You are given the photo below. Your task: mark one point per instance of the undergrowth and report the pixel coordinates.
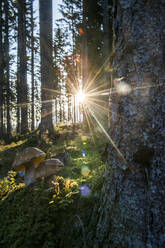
(46, 215)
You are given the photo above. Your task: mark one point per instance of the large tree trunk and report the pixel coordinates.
(7, 67)
(32, 65)
(46, 63)
(22, 64)
(132, 211)
(1, 73)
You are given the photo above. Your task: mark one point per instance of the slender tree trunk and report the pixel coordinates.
(22, 64)
(74, 109)
(63, 110)
(60, 112)
(18, 108)
(106, 55)
(1, 73)
(69, 108)
(56, 110)
(84, 48)
(106, 38)
(32, 64)
(46, 63)
(132, 207)
(84, 55)
(6, 10)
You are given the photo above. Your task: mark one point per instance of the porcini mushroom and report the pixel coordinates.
(48, 168)
(28, 160)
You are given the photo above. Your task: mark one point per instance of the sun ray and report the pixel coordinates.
(99, 92)
(56, 91)
(88, 122)
(92, 99)
(148, 86)
(94, 104)
(115, 90)
(97, 73)
(108, 110)
(46, 114)
(72, 86)
(109, 138)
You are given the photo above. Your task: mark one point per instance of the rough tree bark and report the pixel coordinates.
(1, 72)
(132, 210)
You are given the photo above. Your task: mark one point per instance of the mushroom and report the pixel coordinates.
(28, 160)
(48, 168)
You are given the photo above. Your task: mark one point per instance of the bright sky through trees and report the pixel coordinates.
(56, 13)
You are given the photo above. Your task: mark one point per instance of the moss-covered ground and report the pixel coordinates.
(55, 215)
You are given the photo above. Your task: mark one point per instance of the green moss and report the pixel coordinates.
(44, 215)
(32, 215)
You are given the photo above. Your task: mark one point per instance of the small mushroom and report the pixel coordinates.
(28, 160)
(48, 168)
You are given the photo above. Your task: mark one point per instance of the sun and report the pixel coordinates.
(81, 97)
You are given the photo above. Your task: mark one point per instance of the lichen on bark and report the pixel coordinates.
(132, 210)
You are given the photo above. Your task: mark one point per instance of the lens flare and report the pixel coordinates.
(123, 89)
(84, 190)
(83, 154)
(85, 171)
(81, 31)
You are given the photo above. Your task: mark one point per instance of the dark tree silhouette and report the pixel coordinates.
(46, 63)
(22, 68)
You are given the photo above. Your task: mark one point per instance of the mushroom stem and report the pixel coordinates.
(30, 173)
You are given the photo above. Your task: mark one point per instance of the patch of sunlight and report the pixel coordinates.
(13, 144)
(85, 171)
(79, 160)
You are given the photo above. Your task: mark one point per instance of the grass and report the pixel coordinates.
(44, 215)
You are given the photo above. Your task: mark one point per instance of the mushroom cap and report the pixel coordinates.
(26, 156)
(49, 167)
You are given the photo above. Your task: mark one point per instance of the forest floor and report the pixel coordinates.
(40, 215)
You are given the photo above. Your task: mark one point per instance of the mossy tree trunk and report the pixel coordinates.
(132, 207)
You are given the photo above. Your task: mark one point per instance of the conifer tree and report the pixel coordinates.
(46, 63)
(22, 68)
(1, 71)
(32, 66)
(7, 69)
